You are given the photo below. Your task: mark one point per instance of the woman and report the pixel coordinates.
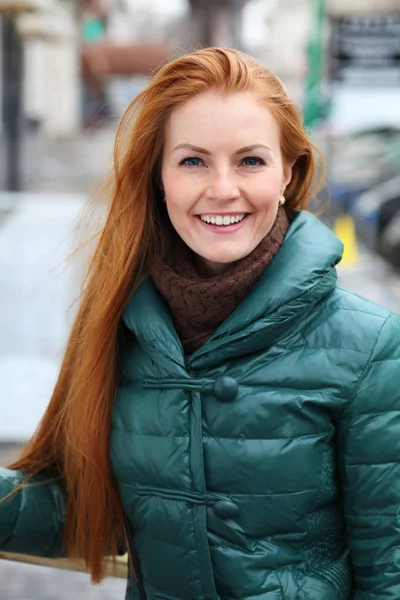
(224, 410)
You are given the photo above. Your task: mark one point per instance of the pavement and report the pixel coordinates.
(30, 582)
(65, 171)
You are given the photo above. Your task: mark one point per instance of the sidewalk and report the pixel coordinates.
(69, 165)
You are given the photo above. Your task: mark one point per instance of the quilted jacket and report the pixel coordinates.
(266, 466)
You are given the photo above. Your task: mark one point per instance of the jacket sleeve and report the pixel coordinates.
(369, 468)
(31, 520)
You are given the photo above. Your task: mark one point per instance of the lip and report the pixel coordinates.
(224, 228)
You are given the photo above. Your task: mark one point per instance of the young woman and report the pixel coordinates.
(224, 411)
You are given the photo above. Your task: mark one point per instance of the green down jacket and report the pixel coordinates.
(267, 465)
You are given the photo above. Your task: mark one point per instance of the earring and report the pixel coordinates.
(282, 200)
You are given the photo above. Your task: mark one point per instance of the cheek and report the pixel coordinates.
(178, 203)
(173, 182)
(265, 193)
(167, 181)
(181, 194)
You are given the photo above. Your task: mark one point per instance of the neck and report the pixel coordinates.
(208, 268)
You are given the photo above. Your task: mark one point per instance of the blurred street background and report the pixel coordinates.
(69, 69)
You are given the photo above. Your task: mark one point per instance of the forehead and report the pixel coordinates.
(239, 118)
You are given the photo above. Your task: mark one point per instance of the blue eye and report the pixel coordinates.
(191, 161)
(253, 161)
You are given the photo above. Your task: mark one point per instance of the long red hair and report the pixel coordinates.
(71, 442)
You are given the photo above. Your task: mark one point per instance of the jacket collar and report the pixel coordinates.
(302, 272)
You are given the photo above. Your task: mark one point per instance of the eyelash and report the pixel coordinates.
(183, 161)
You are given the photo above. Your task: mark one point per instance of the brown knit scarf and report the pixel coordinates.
(199, 305)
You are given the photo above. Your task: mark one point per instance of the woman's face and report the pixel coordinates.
(222, 175)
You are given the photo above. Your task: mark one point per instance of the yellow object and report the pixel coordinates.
(345, 230)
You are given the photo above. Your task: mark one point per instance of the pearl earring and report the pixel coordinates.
(282, 200)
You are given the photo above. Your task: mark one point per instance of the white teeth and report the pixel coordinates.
(222, 219)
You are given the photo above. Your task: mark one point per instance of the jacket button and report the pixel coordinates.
(226, 388)
(223, 509)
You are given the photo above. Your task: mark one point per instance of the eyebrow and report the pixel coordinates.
(208, 153)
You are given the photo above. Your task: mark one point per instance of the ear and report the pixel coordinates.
(287, 177)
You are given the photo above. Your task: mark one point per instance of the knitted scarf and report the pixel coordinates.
(199, 305)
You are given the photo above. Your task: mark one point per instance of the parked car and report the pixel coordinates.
(377, 217)
(364, 181)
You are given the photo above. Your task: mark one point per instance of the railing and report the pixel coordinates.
(114, 568)
(119, 570)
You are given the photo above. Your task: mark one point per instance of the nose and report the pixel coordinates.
(222, 186)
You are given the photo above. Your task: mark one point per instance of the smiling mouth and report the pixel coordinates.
(223, 220)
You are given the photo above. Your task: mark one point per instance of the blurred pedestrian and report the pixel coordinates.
(224, 411)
